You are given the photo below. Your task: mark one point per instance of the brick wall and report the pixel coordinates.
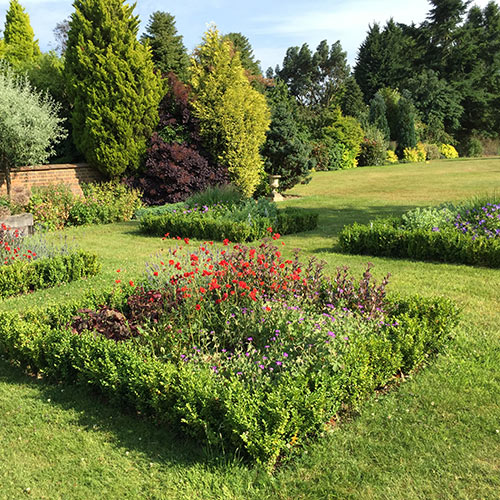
(43, 175)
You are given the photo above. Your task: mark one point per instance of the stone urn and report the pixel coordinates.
(274, 182)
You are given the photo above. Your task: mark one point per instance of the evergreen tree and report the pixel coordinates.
(247, 58)
(19, 39)
(352, 103)
(406, 125)
(391, 98)
(112, 84)
(233, 116)
(378, 115)
(167, 47)
(287, 149)
(316, 79)
(384, 58)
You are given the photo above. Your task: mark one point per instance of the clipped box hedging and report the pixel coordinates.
(264, 420)
(206, 226)
(384, 238)
(24, 276)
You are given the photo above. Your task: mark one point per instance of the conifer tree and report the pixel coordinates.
(378, 115)
(287, 151)
(233, 116)
(19, 39)
(352, 103)
(242, 45)
(167, 47)
(406, 125)
(112, 83)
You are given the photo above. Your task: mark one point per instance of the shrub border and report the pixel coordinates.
(24, 276)
(383, 238)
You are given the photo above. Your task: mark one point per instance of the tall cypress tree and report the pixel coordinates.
(19, 39)
(112, 83)
(167, 47)
(378, 115)
(406, 125)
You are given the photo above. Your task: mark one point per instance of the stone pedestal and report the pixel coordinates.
(274, 182)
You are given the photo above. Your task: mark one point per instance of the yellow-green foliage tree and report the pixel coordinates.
(19, 39)
(113, 85)
(233, 116)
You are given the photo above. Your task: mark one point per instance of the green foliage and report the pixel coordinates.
(287, 150)
(432, 151)
(378, 115)
(29, 123)
(384, 59)
(112, 84)
(373, 148)
(247, 221)
(26, 276)
(242, 45)
(406, 136)
(225, 195)
(317, 80)
(385, 237)
(20, 46)
(167, 47)
(55, 206)
(471, 148)
(233, 116)
(352, 102)
(342, 136)
(104, 203)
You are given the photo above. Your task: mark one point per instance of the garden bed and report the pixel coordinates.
(30, 263)
(238, 347)
(245, 221)
(467, 234)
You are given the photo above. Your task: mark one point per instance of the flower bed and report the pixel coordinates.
(28, 264)
(238, 347)
(246, 221)
(468, 233)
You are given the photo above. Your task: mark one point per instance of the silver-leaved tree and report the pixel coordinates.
(29, 123)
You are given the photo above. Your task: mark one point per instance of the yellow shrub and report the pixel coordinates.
(448, 151)
(391, 157)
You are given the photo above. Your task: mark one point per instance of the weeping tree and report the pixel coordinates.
(113, 86)
(29, 124)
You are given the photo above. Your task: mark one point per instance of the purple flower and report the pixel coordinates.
(279, 363)
(285, 355)
(250, 339)
(261, 367)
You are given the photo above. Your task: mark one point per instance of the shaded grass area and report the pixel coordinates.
(436, 436)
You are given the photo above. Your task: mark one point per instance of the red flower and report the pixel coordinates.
(186, 241)
(118, 281)
(270, 229)
(131, 283)
(197, 307)
(155, 273)
(226, 242)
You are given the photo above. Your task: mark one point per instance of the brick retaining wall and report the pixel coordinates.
(43, 175)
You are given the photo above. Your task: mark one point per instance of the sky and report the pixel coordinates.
(271, 26)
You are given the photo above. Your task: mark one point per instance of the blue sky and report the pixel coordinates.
(271, 26)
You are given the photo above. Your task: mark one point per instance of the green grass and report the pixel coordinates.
(435, 437)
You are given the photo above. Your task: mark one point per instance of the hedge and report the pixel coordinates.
(205, 226)
(25, 276)
(384, 238)
(265, 420)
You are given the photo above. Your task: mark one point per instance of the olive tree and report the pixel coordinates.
(29, 123)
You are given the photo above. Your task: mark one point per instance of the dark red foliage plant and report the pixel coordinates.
(177, 165)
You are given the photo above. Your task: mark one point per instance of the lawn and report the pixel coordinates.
(436, 436)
